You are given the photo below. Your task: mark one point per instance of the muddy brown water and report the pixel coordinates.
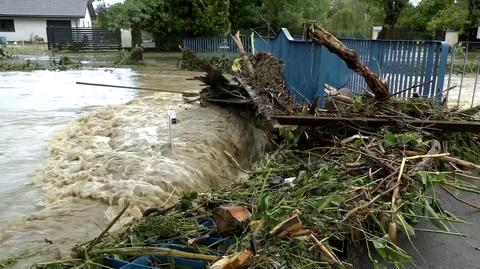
(72, 156)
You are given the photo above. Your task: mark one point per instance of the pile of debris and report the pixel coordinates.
(338, 181)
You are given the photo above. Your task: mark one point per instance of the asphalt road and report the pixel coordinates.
(441, 251)
(446, 251)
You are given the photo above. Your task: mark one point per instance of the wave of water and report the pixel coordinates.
(122, 154)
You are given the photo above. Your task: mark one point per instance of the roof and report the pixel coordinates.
(45, 8)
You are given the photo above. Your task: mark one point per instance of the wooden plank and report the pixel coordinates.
(230, 101)
(452, 126)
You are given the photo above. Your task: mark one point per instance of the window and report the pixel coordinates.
(7, 26)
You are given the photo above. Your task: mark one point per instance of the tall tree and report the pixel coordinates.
(169, 20)
(474, 18)
(245, 15)
(212, 17)
(283, 13)
(392, 10)
(452, 17)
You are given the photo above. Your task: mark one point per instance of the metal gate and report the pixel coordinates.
(67, 38)
(462, 89)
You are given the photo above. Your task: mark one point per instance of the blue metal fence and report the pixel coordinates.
(308, 67)
(216, 45)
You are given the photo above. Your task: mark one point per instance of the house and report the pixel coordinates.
(27, 20)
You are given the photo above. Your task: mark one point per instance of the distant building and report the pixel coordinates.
(27, 20)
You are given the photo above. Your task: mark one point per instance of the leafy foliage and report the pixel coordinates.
(171, 20)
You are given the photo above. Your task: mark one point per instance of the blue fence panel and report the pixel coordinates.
(404, 64)
(216, 45)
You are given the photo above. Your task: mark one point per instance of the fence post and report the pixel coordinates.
(428, 68)
(442, 66)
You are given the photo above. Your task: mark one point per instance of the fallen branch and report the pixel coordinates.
(324, 249)
(243, 54)
(411, 87)
(323, 37)
(371, 202)
(463, 163)
(105, 231)
(460, 162)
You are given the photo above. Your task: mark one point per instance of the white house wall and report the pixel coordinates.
(26, 28)
(83, 22)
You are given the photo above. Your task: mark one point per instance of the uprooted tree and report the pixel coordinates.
(323, 37)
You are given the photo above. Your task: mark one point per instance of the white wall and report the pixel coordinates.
(83, 22)
(126, 38)
(451, 37)
(27, 27)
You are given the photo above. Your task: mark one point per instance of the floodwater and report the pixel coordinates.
(33, 106)
(466, 94)
(72, 156)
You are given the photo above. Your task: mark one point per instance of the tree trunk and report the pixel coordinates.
(473, 16)
(137, 50)
(323, 37)
(392, 9)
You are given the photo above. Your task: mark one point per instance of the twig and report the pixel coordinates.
(396, 192)
(105, 231)
(460, 199)
(412, 87)
(460, 162)
(448, 158)
(324, 249)
(462, 188)
(366, 205)
(303, 96)
(440, 232)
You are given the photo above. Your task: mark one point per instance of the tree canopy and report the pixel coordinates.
(174, 19)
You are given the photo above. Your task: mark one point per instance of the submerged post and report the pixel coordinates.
(172, 119)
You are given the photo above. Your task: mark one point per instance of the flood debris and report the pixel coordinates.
(351, 58)
(323, 193)
(231, 218)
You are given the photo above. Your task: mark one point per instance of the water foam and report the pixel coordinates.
(122, 154)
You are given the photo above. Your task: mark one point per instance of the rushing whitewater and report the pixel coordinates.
(121, 154)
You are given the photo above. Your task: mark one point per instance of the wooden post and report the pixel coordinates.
(323, 37)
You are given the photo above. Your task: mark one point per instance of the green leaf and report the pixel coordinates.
(390, 140)
(432, 178)
(264, 203)
(378, 265)
(187, 200)
(423, 177)
(390, 252)
(357, 143)
(407, 139)
(434, 217)
(407, 228)
(326, 174)
(437, 178)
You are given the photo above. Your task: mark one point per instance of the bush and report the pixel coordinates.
(64, 63)
(129, 57)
